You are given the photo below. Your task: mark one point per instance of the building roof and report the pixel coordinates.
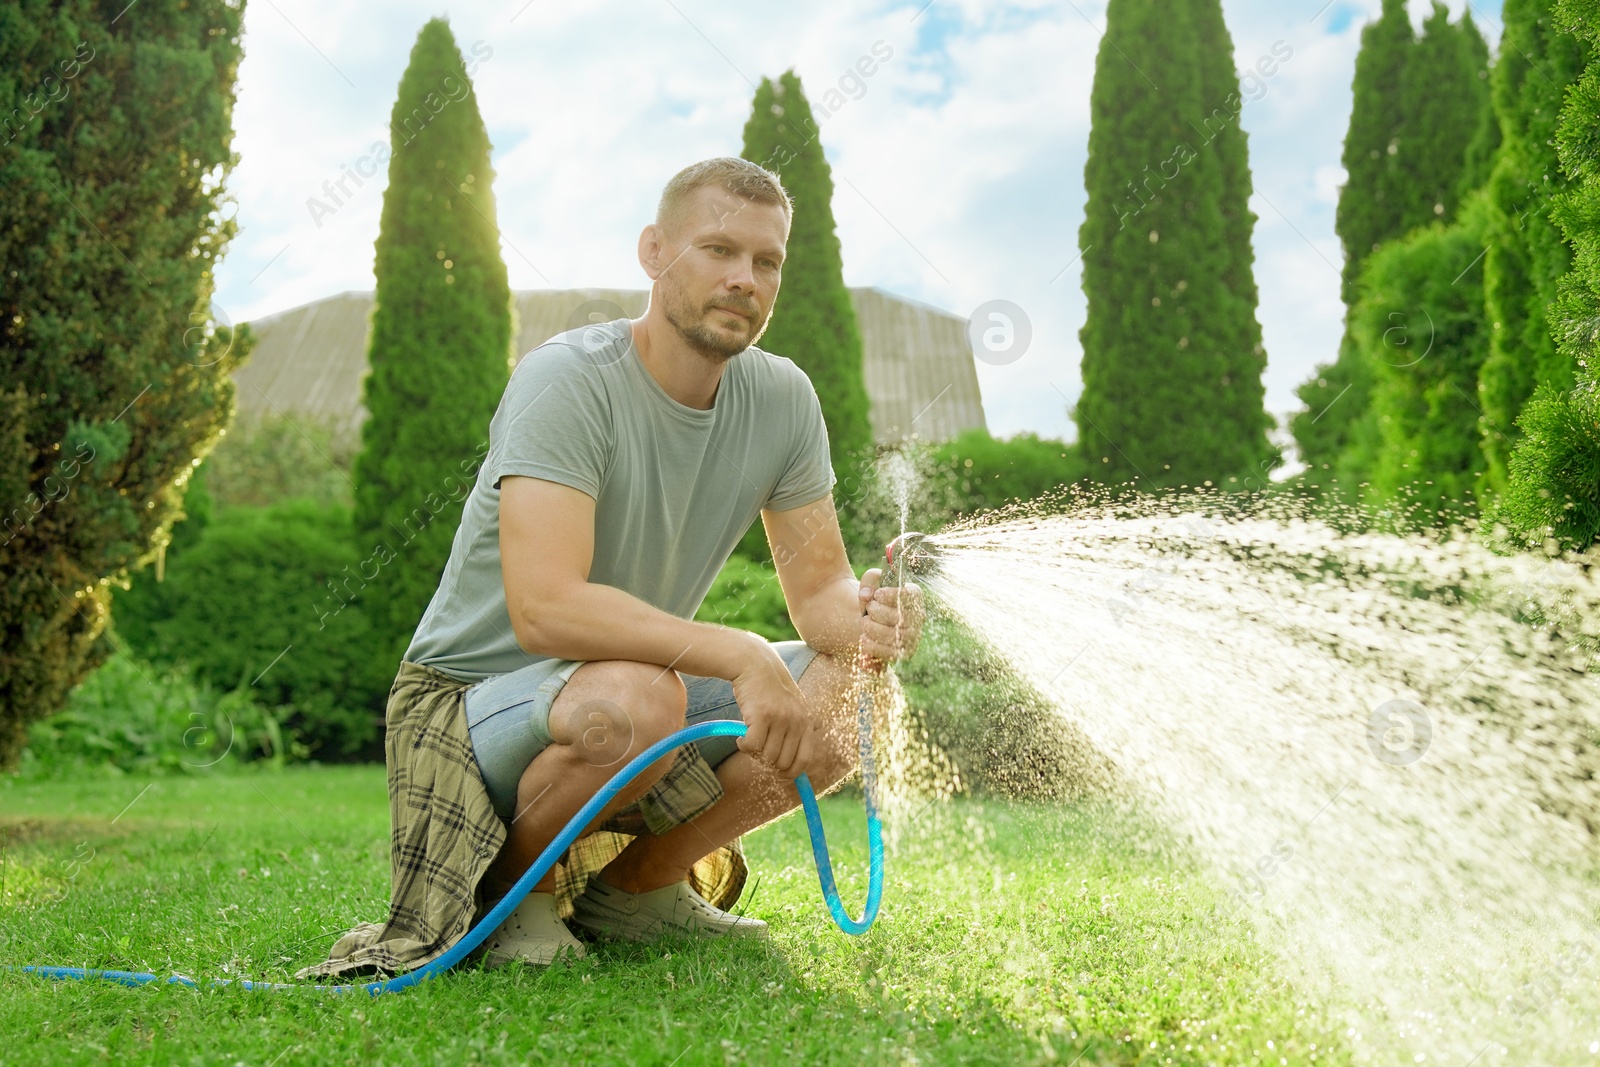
(310, 360)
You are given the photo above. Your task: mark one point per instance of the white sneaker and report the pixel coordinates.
(607, 911)
(533, 933)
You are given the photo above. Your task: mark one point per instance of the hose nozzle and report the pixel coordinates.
(911, 551)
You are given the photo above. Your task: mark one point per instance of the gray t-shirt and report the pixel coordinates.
(674, 487)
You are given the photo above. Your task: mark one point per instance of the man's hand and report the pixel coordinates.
(891, 624)
(781, 733)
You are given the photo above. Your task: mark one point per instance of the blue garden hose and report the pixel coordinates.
(569, 834)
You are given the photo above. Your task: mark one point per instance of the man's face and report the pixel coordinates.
(722, 270)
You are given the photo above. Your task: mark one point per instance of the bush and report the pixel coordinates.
(746, 595)
(264, 459)
(1420, 328)
(986, 473)
(1554, 489)
(1004, 738)
(269, 599)
(131, 716)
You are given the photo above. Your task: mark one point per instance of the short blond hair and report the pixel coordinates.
(738, 176)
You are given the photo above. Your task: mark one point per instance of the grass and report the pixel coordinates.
(1009, 934)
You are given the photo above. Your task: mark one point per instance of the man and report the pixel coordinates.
(626, 460)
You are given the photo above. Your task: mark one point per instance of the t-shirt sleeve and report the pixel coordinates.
(554, 423)
(809, 475)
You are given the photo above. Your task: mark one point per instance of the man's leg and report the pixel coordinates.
(753, 794)
(607, 713)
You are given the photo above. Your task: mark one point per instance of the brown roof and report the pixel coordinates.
(310, 360)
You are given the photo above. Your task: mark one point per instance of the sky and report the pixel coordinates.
(957, 164)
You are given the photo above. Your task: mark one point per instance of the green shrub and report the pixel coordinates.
(132, 716)
(270, 599)
(1420, 328)
(986, 473)
(267, 458)
(915, 485)
(1554, 489)
(1002, 735)
(746, 595)
(1554, 472)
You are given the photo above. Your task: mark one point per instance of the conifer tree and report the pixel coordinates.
(1445, 96)
(1374, 201)
(115, 138)
(1172, 354)
(1527, 254)
(440, 346)
(814, 322)
(1419, 141)
(1371, 206)
(1553, 490)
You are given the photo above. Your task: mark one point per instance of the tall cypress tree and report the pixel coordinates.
(115, 136)
(1370, 210)
(1445, 95)
(1419, 141)
(814, 322)
(1553, 488)
(1172, 354)
(1373, 205)
(1527, 254)
(440, 346)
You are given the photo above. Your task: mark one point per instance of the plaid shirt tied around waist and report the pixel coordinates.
(444, 832)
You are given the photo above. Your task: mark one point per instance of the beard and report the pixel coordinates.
(715, 342)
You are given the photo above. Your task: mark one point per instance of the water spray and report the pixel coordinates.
(911, 552)
(569, 833)
(1379, 746)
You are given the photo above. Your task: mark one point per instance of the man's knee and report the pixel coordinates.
(618, 710)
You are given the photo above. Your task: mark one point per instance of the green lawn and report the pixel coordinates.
(1009, 934)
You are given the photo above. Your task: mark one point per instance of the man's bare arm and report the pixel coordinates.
(831, 610)
(546, 551)
(818, 585)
